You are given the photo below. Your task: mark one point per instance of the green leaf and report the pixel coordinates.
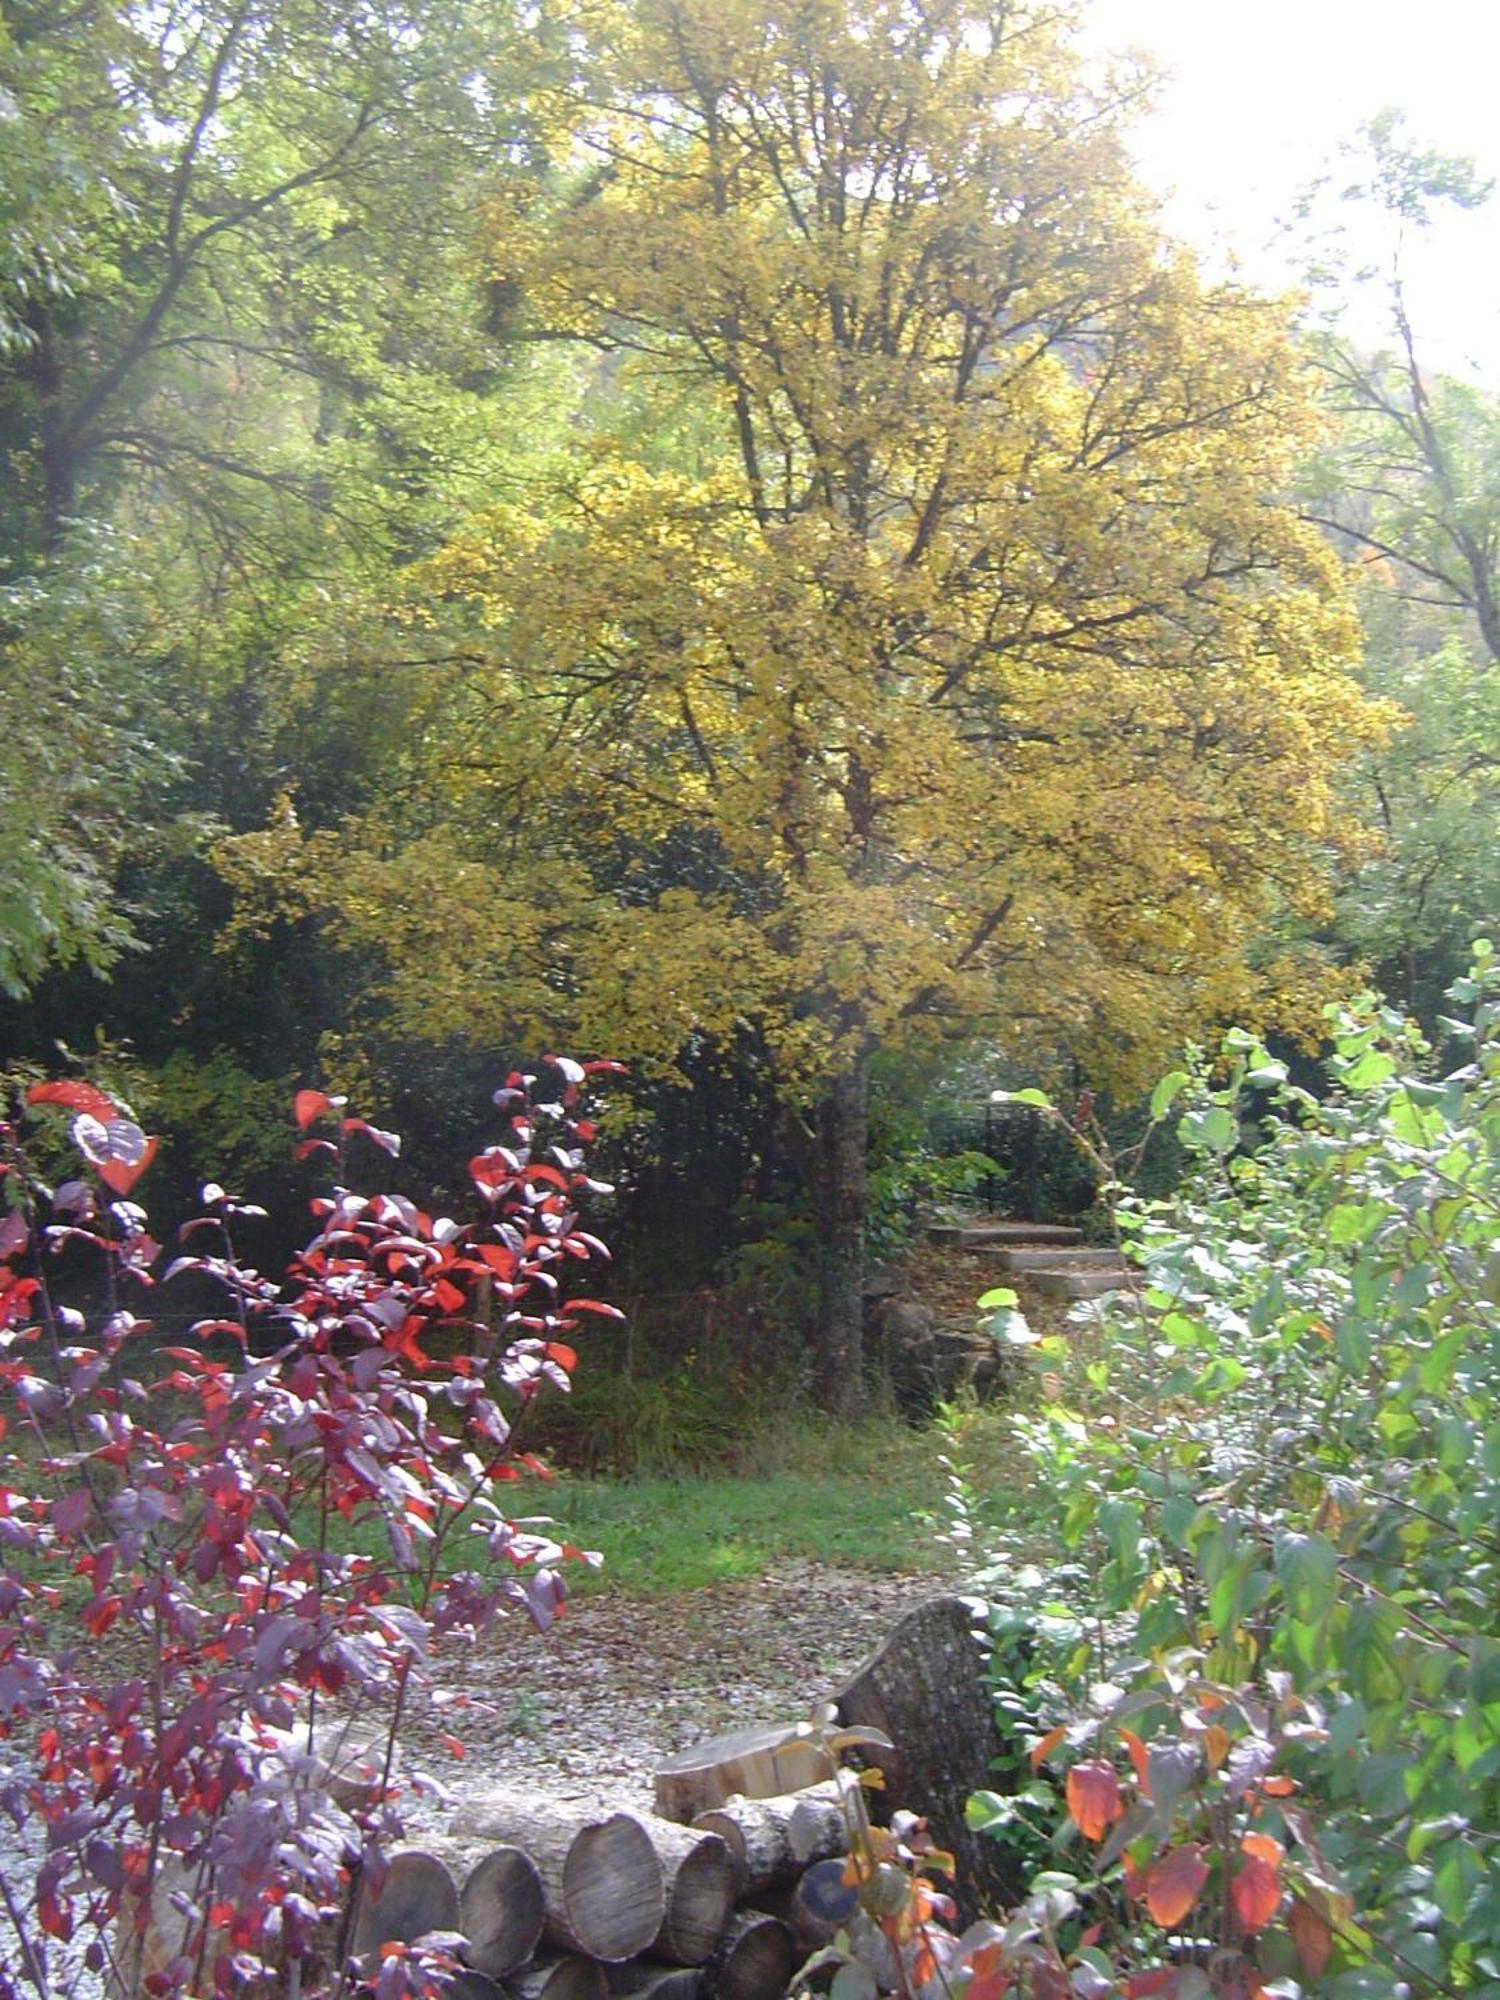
(1167, 1090)
(1372, 1068)
(1308, 1568)
(1212, 1130)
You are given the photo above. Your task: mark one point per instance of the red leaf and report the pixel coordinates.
(1255, 1893)
(305, 1148)
(1094, 1798)
(308, 1105)
(122, 1175)
(76, 1096)
(594, 1306)
(1173, 1883)
(389, 1142)
(99, 1616)
(1264, 1848)
(565, 1356)
(1312, 1935)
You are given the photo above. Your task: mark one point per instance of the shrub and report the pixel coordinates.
(190, 1607)
(1273, 1678)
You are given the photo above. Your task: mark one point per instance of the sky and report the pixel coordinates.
(1259, 97)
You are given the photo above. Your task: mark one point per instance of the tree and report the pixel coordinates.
(943, 660)
(242, 349)
(1409, 490)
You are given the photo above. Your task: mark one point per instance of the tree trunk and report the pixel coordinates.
(502, 1908)
(58, 453)
(925, 1689)
(554, 1975)
(841, 1201)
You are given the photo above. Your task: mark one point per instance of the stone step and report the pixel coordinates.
(986, 1235)
(1058, 1260)
(1057, 1284)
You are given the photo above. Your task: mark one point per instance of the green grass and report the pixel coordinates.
(663, 1535)
(868, 1498)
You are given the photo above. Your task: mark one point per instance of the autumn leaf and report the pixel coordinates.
(1312, 1935)
(1094, 1798)
(75, 1096)
(121, 1175)
(1255, 1893)
(308, 1105)
(1173, 1883)
(1139, 1758)
(1042, 1750)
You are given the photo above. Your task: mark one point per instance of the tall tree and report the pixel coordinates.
(1408, 489)
(244, 368)
(945, 660)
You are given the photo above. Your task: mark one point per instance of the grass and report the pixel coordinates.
(867, 1498)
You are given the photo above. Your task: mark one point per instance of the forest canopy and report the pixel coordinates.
(725, 535)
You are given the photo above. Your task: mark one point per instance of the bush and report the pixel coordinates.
(191, 1606)
(1270, 1686)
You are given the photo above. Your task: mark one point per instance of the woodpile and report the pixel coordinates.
(735, 1879)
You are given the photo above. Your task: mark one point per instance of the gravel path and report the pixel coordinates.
(586, 1711)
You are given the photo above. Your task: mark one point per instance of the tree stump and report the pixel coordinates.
(925, 1687)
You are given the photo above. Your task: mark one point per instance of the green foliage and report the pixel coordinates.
(906, 1182)
(1281, 1478)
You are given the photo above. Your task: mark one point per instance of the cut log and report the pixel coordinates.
(773, 1840)
(820, 1905)
(925, 1689)
(648, 1979)
(756, 1763)
(602, 1879)
(502, 1908)
(418, 1895)
(700, 1879)
(557, 1975)
(753, 1960)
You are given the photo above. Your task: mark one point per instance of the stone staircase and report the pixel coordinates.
(1050, 1257)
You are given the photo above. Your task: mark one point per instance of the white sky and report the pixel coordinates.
(1259, 96)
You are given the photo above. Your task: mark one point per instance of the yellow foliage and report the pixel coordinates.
(959, 664)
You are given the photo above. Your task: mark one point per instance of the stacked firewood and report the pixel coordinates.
(716, 1892)
(737, 1874)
